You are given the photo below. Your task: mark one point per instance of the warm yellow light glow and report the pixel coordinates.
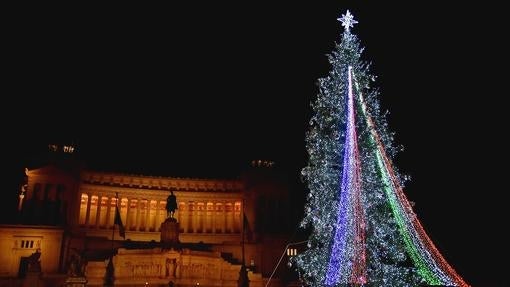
(68, 149)
(83, 208)
(291, 251)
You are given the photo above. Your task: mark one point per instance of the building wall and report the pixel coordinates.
(21, 241)
(210, 211)
(50, 196)
(87, 201)
(209, 216)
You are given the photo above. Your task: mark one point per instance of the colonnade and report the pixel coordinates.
(97, 211)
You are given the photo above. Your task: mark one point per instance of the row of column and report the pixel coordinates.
(210, 217)
(46, 191)
(137, 214)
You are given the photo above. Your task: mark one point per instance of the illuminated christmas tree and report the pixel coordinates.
(363, 228)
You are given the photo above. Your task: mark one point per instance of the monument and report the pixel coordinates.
(171, 205)
(76, 271)
(34, 273)
(169, 264)
(170, 227)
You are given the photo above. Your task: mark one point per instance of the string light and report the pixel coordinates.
(364, 228)
(432, 265)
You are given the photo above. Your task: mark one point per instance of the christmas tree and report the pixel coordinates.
(363, 228)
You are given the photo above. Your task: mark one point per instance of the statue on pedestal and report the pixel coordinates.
(170, 227)
(76, 270)
(34, 264)
(171, 205)
(76, 265)
(34, 271)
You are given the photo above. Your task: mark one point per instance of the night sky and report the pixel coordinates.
(199, 91)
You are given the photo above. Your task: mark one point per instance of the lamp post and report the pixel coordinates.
(290, 252)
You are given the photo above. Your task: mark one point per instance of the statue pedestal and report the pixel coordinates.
(170, 231)
(76, 282)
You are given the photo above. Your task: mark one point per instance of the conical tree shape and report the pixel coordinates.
(363, 229)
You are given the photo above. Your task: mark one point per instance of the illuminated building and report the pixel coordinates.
(67, 209)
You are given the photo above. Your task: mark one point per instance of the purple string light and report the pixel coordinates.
(337, 260)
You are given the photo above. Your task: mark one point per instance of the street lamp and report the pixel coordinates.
(290, 252)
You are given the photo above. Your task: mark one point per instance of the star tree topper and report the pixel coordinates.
(347, 21)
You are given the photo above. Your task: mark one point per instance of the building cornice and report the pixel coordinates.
(135, 192)
(160, 183)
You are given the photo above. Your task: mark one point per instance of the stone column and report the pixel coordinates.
(78, 210)
(224, 225)
(98, 211)
(108, 212)
(128, 215)
(213, 219)
(138, 219)
(233, 217)
(87, 214)
(194, 216)
(200, 218)
(156, 219)
(188, 228)
(147, 215)
(179, 213)
(184, 218)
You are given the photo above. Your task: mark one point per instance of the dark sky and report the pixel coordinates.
(202, 90)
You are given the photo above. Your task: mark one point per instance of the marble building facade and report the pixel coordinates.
(74, 209)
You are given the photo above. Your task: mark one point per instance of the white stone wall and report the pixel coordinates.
(22, 241)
